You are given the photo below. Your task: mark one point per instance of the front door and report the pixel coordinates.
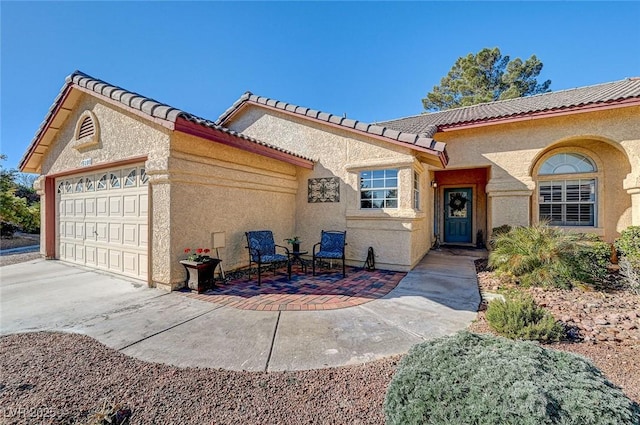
(457, 216)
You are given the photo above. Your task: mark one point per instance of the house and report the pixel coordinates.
(127, 183)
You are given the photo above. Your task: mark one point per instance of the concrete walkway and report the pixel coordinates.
(439, 297)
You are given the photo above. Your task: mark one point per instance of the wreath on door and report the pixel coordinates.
(457, 202)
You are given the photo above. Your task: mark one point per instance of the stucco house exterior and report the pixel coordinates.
(127, 183)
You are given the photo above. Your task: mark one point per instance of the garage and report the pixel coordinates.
(102, 220)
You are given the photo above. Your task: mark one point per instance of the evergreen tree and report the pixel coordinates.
(485, 77)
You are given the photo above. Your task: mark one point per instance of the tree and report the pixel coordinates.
(19, 205)
(486, 77)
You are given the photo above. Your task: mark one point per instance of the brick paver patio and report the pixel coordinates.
(304, 292)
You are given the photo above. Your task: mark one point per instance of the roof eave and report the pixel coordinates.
(437, 149)
(542, 114)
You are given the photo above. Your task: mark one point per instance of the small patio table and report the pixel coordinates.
(296, 258)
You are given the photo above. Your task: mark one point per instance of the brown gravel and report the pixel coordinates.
(70, 377)
(56, 378)
(19, 240)
(7, 260)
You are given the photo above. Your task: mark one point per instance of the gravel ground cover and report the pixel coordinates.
(19, 240)
(56, 378)
(65, 378)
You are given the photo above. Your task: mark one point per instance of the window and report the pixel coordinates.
(102, 183)
(379, 189)
(130, 180)
(416, 191)
(89, 183)
(80, 186)
(565, 199)
(114, 181)
(144, 178)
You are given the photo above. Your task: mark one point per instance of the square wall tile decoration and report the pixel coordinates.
(324, 189)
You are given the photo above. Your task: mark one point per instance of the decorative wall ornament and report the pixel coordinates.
(324, 189)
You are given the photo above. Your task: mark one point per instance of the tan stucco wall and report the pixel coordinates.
(400, 237)
(511, 151)
(217, 188)
(122, 136)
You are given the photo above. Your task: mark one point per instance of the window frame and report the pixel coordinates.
(562, 179)
(416, 191)
(375, 177)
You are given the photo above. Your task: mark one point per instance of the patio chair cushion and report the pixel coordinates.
(331, 244)
(262, 242)
(272, 258)
(329, 254)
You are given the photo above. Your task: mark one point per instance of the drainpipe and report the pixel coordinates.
(436, 215)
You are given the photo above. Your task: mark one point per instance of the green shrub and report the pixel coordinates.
(519, 317)
(541, 255)
(487, 380)
(497, 231)
(628, 244)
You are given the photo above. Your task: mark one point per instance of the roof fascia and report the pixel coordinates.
(540, 115)
(59, 105)
(185, 126)
(442, 156)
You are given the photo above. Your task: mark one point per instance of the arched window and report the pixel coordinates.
(567, 190)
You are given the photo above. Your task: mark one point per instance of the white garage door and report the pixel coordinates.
(102, 220)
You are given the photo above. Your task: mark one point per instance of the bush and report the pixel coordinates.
(546, 256)
(628, 244)
(497, 231)
(519, 317)
(630, 270)
(7, 229)
(482, 380)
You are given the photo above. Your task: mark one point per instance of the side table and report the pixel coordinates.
(296, 258)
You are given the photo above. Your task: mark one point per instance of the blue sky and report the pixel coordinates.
(371, 60)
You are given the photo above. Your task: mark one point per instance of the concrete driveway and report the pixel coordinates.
(439, 297)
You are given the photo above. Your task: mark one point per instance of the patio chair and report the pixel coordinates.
(331, 244)
(262, 250)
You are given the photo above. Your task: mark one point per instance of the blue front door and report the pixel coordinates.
(457, 215)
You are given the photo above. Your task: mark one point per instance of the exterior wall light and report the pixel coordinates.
(434, 184)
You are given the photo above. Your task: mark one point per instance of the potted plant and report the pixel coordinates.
(200, 267)
(294, 242)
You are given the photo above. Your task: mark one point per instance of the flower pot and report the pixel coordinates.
(296, 247)
(200, 274)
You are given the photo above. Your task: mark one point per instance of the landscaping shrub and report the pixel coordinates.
(519, 317)
(497, 231)
(630, 270)
(487, 380)
(546, 256)
(628, 244)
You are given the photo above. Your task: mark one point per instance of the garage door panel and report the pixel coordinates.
(144, 205)
(115, 260)
(90, 207)
(143, 234)
(115, 206)
(90, 256)
(130, 208)
(78, 208)
(79, 231)
(102, 221)
(68, 208)
(69, 230)
(101, 229)
(130, 263)
(102, 259)
(102, 205)
(79, 253)
(115, 233)
(130, 234)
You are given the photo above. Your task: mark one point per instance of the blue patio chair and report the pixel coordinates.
(331, 244)
(262, 250)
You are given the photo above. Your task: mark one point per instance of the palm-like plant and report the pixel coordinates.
(541, 255)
